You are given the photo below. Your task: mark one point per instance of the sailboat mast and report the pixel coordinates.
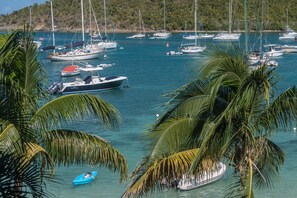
(82, 20)
(261, 30)
(230, 16)
(104, 6)
(164, 15)
(246, 26)
(287, 19)
(53, 26)
(90, 18)
(139, 20)
(30, 17)
(195, 25)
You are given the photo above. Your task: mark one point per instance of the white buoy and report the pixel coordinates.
(157, 115)
(294, 129)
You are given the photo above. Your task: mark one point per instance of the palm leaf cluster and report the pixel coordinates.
(228, 114)
(30, 123)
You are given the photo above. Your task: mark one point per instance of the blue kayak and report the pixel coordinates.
(85, 178)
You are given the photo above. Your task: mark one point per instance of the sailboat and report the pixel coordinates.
(193, 48)
(163, 34)
(85, 53)
(289, 33)
(141, 29)
(105, 43)
(37, 43)
(228, 36)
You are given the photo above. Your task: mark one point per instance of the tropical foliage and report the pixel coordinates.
(123, 15)
(30, 123)
(228, 114)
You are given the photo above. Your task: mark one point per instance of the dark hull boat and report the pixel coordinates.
(90, 83)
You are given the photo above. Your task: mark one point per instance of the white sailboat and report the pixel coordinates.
(141, 33)
(37, 43)
(105, 43)
(85, 53)
(163, 34)
(193, 48)
(289, 33)
(228, 36)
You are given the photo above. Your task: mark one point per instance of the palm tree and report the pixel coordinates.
(228, 114)
(34, 131)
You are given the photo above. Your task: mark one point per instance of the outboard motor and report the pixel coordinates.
(55, 88)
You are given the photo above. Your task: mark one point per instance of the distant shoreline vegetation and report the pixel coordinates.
(123, 16)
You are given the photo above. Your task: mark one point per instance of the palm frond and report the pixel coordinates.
(170, 167)
(171, 136)
(75, 106)
(72, 147)
(21, 179)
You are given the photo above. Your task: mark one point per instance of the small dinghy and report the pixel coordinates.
(70, 70)
(85, 178)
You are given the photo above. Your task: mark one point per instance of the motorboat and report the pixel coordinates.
(273, 50)
(90, 83)
(199, 36)
(70, 70)
(174, 53)
(206, 36)
(289, 48)
(189, 182)
(254, 57)
(85, 178)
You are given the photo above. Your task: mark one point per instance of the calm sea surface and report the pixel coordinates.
(152, 74)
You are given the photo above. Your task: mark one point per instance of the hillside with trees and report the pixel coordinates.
(123, 15)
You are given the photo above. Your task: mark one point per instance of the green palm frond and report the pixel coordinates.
(170, 167)
(171, 136)
(10, 139)
(268, 158)
(75, 106)
(21, 178)
(72, 147)
(280, 113)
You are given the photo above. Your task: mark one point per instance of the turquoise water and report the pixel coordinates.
(152, 74)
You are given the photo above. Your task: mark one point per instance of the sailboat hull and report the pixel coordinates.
(76, 56)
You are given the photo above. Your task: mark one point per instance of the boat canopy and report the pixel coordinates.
(76, 44)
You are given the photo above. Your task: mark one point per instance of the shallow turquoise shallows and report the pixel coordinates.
(152, 74)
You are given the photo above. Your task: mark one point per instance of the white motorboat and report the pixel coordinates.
(193, 48)
(273, 50)
(139, 35)
(90, 83)
(174, 53)
(199, 36)
(206, 36)
(289, 48)
(189, 182)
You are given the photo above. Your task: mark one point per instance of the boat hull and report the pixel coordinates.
(106, 83)
(193, 49)
(76, 57)
(108, 45)
(207, 178)
(82, 179)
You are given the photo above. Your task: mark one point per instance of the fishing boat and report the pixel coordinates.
(193, 48)
(141, 29)
(93, 82)
(229, 36)
(85, 178)
(189, 182)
